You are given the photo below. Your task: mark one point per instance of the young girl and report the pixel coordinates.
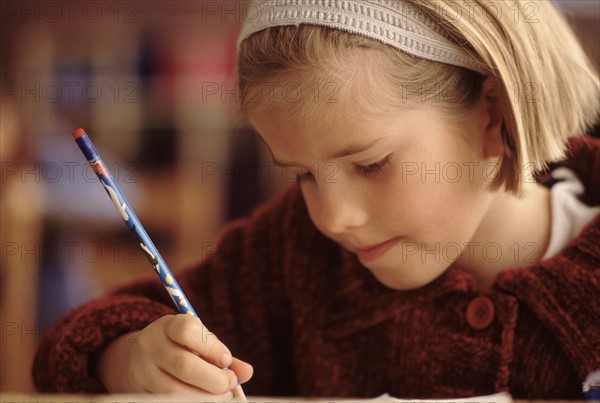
(423, 251)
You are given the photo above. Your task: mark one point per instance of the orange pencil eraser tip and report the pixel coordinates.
(78, 133)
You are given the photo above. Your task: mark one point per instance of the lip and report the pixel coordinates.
(374, 252)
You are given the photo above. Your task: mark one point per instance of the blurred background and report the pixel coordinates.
(153, 84)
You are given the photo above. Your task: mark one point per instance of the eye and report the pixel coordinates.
(374, 167)
(301, 177)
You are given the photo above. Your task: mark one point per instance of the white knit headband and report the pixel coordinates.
(393, 22)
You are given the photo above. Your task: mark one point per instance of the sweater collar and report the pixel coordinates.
(584, 159)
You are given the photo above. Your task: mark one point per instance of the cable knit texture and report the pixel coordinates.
(314, 322)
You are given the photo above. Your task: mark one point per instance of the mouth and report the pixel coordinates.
(373, 252)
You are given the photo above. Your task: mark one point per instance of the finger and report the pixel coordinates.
(190, 332)
(169, 385)
(158, 381)
(186, 366)
(242, 369)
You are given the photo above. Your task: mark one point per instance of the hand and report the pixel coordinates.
(174, 354)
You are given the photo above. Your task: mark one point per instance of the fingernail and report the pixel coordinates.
(225, 360)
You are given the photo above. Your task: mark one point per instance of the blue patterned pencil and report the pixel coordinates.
(135, 226)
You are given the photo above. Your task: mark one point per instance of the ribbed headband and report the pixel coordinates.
(393, 22)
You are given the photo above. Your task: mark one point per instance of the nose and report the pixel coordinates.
(341, 208)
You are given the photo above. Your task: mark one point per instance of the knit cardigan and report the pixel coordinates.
(313, 322)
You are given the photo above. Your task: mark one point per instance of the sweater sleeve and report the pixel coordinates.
(238, 292)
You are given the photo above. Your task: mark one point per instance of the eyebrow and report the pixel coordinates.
(346, 151)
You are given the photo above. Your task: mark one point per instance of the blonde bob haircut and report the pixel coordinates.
(548, 89)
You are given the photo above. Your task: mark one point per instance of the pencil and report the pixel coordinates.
(135, 226)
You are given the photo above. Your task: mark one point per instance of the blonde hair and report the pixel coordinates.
(548, 88)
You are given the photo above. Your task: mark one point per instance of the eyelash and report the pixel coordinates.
(374, 167)
(363, 170)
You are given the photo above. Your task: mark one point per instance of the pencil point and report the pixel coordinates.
(78, 133)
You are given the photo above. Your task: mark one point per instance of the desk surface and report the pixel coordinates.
(147, 398)
(130, 398)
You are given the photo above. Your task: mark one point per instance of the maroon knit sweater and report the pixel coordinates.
(314, 322)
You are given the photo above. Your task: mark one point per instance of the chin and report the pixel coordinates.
(397, 280)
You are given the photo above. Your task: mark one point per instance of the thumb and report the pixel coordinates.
(243, 370)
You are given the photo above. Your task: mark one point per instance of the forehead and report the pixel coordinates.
(302, 139)
(294, 141)
(320, 124)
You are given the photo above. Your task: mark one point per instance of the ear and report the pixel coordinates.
(493, 145)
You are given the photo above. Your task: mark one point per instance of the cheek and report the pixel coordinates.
(435, 202)
(427, 202)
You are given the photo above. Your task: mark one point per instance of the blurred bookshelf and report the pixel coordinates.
(153, 84)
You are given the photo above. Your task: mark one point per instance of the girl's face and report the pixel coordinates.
(411, 179)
